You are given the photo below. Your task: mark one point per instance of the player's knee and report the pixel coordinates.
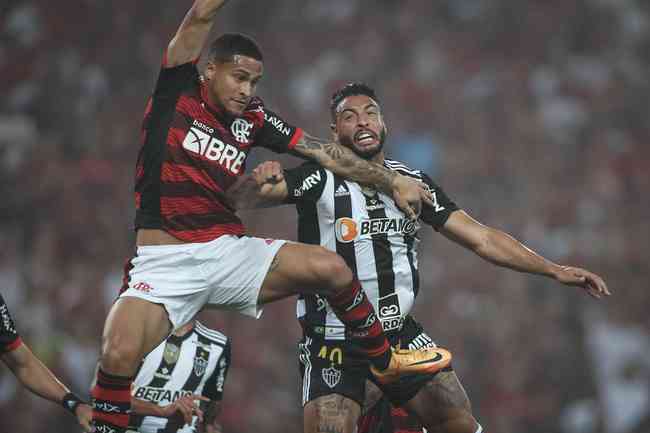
(333, 272)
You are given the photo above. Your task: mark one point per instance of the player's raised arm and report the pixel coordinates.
(190, 38)
(407, 193)
(503, 250)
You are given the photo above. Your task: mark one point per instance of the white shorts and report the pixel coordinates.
(226, 273)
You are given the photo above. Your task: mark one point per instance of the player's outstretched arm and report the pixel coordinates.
(407, 193)
(187, 44)
(184, 407)
(36, 377)
(264, 187)
(502, 249)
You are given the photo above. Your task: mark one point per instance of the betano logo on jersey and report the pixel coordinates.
(199, 142)
(348, 230)
(158, 395)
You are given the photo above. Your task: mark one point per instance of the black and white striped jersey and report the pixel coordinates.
(196, 363)
(368, 230)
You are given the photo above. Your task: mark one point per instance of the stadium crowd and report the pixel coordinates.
(532, 115)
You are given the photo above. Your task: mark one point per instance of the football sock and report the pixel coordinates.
(355, 311)
(111, 402)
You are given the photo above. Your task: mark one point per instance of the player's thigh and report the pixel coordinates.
(303, 268)
(441, 398)
(331, 413)
(133, 328)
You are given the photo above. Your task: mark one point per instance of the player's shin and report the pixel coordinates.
(356, 312)
(111, 402)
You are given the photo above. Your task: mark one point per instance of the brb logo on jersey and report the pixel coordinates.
(199, 141)
(348, 230)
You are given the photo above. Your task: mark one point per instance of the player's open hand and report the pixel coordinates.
(593, 284)
(84, 415)
(185, 407)
(409, 194)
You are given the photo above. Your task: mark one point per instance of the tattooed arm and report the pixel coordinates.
(407, 193)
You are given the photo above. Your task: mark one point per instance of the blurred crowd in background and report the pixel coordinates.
(532, 115)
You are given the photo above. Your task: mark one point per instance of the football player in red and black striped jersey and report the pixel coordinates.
(32, 373)
(191, 246)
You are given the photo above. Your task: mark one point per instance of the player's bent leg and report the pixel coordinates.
(133, 328)
(331, 414)
(442, 406)
(302, 268)
(310, 269)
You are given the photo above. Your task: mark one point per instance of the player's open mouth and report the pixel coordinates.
(365, 138)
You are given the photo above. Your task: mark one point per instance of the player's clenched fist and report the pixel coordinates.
(268, 174)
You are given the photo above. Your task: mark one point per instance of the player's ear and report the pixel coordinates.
(210, 70)
(334, 131)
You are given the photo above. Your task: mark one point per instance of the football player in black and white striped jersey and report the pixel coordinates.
(379, 243)
(191, 365)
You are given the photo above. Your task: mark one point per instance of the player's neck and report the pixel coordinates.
(379, 158)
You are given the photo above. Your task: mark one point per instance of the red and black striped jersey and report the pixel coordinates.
(192, 152)
(9, 338)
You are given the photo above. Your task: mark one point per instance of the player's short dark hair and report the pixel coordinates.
(351, 89)
(228, 45)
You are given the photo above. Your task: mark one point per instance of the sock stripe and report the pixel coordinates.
(119, 420)
(109, 379)
(111, 402)
(356, 312)
(111, 395)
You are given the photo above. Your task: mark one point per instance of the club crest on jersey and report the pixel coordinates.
(331, 376)
(171, 353)
(241, 130)
(200, 364)
(367, 191)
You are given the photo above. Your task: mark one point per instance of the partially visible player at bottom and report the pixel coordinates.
(191, 364)
(33, 374)
(379, 243)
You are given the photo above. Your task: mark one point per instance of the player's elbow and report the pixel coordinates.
(483, 243)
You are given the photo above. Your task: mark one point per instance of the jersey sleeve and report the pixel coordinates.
(173, 80)
(276, 134)
(436, 216)
(9, 338)
(305, 183)
(214, 386)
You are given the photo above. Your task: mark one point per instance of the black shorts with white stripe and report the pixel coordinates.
(336, 367)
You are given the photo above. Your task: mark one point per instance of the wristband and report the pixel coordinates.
(70, 402)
